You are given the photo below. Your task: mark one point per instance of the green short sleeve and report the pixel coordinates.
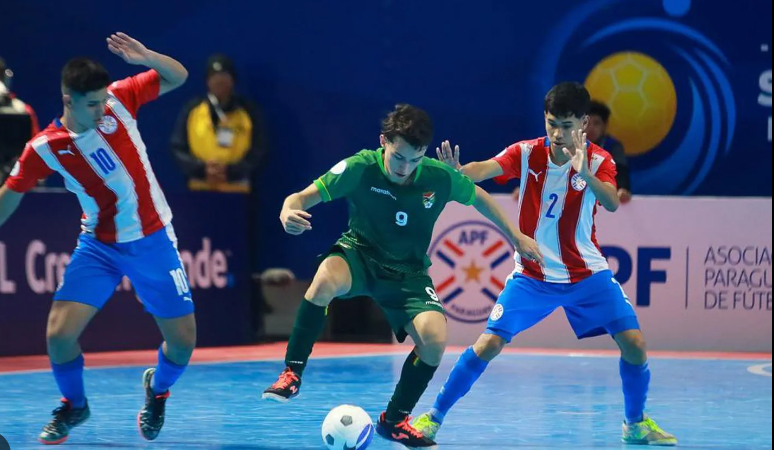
(342, 179)
(463, 190)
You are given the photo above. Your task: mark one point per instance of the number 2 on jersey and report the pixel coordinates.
(554, 199)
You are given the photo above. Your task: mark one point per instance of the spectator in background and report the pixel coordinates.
(219, 144)
(18, 123)
(599, 119)
(218, 141)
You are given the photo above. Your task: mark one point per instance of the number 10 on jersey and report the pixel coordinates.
(104, 161)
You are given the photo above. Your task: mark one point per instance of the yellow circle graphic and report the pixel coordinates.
(640, 94)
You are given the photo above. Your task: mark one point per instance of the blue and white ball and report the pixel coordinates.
(348, 427)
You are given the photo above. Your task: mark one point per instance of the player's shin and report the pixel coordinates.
(167, 373)
(414, 378)
(308, 327)
(636, 382)
(69, 378)
(463, 376)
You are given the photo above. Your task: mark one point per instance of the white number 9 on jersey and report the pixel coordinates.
(401, 219)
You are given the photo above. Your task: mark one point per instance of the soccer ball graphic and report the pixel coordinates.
(348, 428)
(641, 95)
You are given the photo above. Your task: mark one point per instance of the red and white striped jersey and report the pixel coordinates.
(106, 167)
(557, 209)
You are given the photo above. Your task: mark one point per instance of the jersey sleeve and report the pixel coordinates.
(510, 161)
(138, 90)
(463, 190)
(607, 171)
(342, 179)
(27, 171)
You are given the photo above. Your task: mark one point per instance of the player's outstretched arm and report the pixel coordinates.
(294, 216)
(488, 207)
(9, 202)
(172, 73)
(476, 171)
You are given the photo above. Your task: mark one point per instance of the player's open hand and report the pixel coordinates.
(579, 160)
(449, 157)
(130, 50)
(295, 222)
(529, 250)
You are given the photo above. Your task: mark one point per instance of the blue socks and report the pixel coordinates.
(167, 373)
(69, 378)
(636, 382)
(463, 376)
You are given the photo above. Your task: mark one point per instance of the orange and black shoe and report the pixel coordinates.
(150, 420)
(403, 433)
(65, 419)
(287, 387)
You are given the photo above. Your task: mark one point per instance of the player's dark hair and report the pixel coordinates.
(600, 110)
(411, 123)
(568, 100)
(82, 75)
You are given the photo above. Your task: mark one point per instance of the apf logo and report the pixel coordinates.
(471, 261)
(630, 60)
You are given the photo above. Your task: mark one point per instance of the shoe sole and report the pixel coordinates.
(651, 444)
(61, 441)
(277, 398)
(434, 447)
(147, 376)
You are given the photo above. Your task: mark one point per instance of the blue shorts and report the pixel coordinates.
(595, 306)
(152, 264)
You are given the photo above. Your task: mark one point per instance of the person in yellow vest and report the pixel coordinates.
(218, 140)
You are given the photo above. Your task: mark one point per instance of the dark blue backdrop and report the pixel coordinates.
(325, 73)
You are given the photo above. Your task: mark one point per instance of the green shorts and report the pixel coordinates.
(401, 296)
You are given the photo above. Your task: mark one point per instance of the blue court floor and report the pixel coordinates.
(521, 402)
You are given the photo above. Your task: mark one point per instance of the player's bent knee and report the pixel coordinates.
(333, 279)
(183, 336)
(61, 342)
(489, 346)
(67, 320)
(429, 332)
(431, 351)
(324, 290)
(180, 354)
(634, 348)
(320, 296)
(59, 337)
(58, 330)
(183, 344)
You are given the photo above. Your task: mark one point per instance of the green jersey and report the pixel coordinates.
(389, 223)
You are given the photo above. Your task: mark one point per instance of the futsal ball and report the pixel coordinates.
(641, 96)
(347, 428)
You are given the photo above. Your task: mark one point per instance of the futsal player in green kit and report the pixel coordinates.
(395, 196)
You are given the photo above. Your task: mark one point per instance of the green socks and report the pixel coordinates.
(310, 323)
(414, 379)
